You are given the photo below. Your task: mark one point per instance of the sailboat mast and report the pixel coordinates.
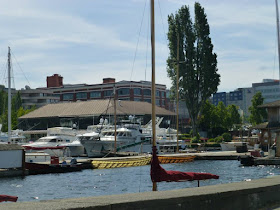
(115, 119)
(9, 96)
(177, 93)
(278, 35)
(153, 79)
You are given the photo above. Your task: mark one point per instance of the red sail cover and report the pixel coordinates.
(158, 174)
(43, 148)
(8, 198)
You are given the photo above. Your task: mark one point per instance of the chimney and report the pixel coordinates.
(108, 80)
(54, 81)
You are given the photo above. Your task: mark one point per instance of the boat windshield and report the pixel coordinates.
(48, 140)
(87, 138)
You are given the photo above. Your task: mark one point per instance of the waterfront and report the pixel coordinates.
(124, 180)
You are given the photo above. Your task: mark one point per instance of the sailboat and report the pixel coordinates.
(158, 174)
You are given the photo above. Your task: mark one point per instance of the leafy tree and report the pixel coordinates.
(198, 77)
(234, 116)
(206, 116)
(216, 120)
(3, 101)
(257, 115)
(16, 101)
(17, 110)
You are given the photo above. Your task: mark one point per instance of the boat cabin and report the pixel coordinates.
(52, 139)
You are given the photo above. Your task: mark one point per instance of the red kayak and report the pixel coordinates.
(8, 198)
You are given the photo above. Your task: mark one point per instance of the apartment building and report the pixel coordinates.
(125, 90)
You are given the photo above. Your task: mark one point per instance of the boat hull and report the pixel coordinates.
(175, 159)
(119, 163)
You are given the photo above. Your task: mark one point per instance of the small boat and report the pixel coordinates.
(38, 168)
(53, 145)
(175, 159)
(8, 198)
(121, 162)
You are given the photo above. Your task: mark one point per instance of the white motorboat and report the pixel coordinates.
(88, 141)
(53, 145)
(15, 137)
(129, 138)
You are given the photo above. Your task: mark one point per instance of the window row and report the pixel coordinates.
(109, 93)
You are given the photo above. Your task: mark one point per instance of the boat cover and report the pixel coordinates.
(8, 198)
(43, 148)
(159, 174)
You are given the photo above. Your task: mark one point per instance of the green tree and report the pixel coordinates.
(206, 117)
(257, 115)
(16, 101)
(198, 77)
(234, 116)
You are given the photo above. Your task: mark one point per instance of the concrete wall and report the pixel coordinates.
(256, 194)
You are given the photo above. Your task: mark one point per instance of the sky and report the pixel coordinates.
(86, 41)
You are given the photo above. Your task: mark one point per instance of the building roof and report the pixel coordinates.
(5, 147)
(271, 104)
(95, 108)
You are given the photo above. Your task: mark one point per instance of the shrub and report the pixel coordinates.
(226, 137)
(211, 140)
(219, 139)
(195, 140)
(185, 136)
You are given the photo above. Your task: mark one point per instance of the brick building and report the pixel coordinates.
(125, 90)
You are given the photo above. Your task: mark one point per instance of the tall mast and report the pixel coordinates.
(278, 36)
(153, 80)
(9, 96)
(115, 117)
(177, 92)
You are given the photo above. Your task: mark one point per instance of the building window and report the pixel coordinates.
(163, 102)
(147, 92)
(147, 100)
(68, 96)
(137, 99)
(108, 93)
(81, 95)
(95, 94)
(137, 91)
(157, 93)
(157, 102)
(123, 91)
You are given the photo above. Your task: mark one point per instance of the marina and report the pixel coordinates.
(142, 144)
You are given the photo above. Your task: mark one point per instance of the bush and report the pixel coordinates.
(211, 140)
(219, 139)
(195, 140)
(226, 137)
(185, 136)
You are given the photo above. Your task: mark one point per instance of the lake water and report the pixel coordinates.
(98, 182)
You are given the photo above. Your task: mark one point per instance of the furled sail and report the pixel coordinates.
(159, 174)
(8, 198)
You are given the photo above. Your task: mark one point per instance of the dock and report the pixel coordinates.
(85, 162)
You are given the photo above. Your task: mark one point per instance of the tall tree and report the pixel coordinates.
(257, 115)
(198, 76)
(234, 116)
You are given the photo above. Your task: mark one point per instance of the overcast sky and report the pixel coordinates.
(85, 41)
